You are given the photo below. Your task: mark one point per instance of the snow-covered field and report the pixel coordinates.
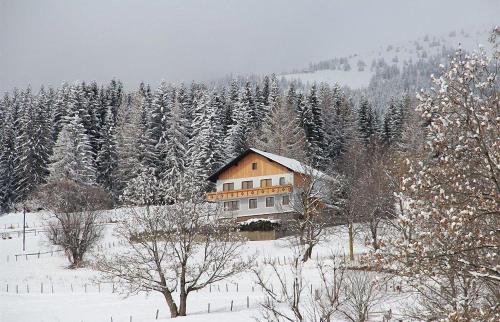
(40, 288)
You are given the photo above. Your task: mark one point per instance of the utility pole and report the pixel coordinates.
(24, 228)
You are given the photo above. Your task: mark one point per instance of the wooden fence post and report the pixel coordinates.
(208, 311)
(231, 305)
(248, 301)
(157, 311)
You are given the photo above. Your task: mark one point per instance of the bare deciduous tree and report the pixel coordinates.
(360, 293)
(74, 216)
(292, 299)
(315, 201)
(184, 246)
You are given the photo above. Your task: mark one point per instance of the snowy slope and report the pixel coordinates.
(357, 69)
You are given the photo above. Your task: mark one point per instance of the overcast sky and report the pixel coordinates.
(48, 41)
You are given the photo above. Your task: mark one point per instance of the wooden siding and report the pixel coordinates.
(299, 179)
(243, 169)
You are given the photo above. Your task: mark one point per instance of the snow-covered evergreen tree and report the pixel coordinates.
(173, 145)
(202, 145)
(72, 158)
(8, 151)
(367, 121)
(311, 120)
(33, 143)
(107, 157)
(237, 137)
(282, 135)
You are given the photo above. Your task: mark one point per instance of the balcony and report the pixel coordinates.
(245, 193)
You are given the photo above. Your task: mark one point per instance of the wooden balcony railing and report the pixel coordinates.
(244, 193)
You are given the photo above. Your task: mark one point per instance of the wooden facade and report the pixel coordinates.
(243, 168)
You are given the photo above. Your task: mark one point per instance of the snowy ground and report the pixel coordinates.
(40, 288)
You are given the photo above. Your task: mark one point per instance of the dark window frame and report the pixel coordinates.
(246, 182)
(266, 181)
(230, 184)
(267, 202)
(231, 205)
(250, 203)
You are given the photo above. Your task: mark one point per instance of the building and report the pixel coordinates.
(258, 184)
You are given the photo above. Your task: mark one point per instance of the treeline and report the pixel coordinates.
(137, 145)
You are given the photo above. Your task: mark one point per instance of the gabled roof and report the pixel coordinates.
(291, 164)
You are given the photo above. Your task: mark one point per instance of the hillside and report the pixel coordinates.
(357, 70)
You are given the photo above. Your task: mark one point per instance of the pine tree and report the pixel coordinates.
(107, 157)
(60, 110)
(392, 126)
(8, 152)
(73, 158)
(236, 140)
(217, 109)
(311, 120)
(282, 135)
(173, 146)
(202, 145)
(339, 124)
(33, 143)
(367, 121)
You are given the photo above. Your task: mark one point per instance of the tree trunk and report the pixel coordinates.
(182, 304)
(373, 229)
(308, 253)
(183, 293)
(351, 242)
(171, 304)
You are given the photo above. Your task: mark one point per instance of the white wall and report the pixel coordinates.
(261, 206)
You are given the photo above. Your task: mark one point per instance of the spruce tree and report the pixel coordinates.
(34, 142)
(8, 152)
(72, 158)
(107, 157)
(282, 135)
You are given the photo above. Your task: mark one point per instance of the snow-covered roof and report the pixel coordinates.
(289, 163)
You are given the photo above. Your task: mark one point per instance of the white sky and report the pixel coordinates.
(49, 41)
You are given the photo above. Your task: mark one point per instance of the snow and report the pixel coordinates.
(393, 54)
(74, 295)
(352, 78)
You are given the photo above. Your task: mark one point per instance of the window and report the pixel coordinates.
(282, 181)
(286, 200)
(228, 186)
(269, 201)
(252, 203)
(266, 183)
(254, 166)
(231, 205)
(247, 185)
